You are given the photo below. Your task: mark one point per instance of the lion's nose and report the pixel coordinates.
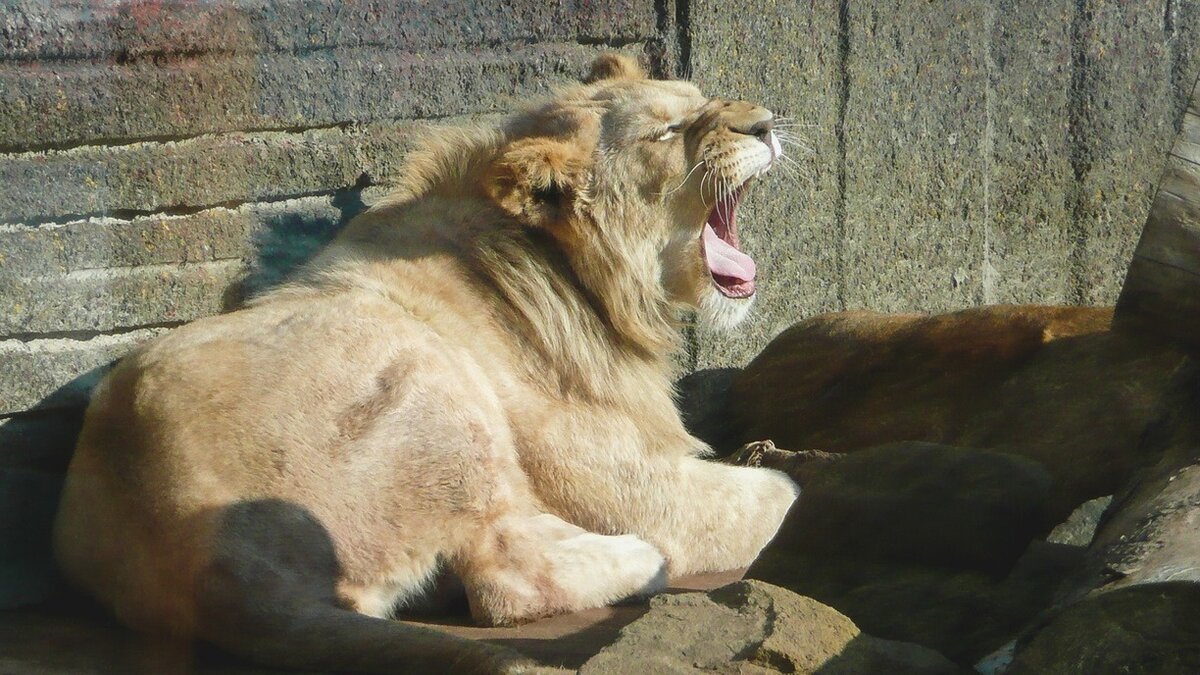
(759, 125)
(762, 128)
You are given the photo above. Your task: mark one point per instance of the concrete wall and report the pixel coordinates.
(962, 152)
(158, 158)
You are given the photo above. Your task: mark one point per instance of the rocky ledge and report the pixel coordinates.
(998, 490)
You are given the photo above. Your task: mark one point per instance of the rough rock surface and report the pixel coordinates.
(753, 627)
(1079, 528)
(1135, 605)
(1139, 630)
(922, 503)
(941, 545)
(962, 613)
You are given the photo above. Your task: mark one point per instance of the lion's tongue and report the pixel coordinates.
(725, 260)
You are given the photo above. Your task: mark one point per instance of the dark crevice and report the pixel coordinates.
(85, 335)
(683, 33)
(663, 50)
(614, 42)
(839, 208)
(73, 413)
(129, 214)
(1079, 151)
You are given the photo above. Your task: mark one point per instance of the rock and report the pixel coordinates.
(998, 661)
(922, 503)
(55, 373)
(1135, 605)
(1021, 380)
(963, 614)
(1143, 629)
(753, 627)
(1079, 528)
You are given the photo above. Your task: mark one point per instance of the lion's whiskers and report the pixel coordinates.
(790, 140)
(684, 181)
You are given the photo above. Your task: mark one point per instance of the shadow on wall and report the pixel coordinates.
(288, 239)
(285, 239)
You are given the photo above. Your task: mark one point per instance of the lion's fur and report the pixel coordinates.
(474, 379)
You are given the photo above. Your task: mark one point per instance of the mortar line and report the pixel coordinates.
(127, 215)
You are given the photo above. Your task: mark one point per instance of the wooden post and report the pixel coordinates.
(1161, 294)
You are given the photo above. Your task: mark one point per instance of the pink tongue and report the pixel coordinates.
(724, 259)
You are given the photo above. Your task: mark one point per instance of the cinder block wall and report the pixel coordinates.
(159, 158)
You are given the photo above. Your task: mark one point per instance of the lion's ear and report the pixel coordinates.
(539, 180)
(612, 66)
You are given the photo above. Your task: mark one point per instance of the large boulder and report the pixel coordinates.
(1053, 384)
(1135, 606)
(753, 627)
(1148, 629)
(962, 613)
(922, 503)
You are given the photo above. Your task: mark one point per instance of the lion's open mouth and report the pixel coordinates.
(732, 271)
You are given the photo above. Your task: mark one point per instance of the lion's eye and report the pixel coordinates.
(670, 132)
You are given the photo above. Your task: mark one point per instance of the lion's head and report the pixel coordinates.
(635, 182)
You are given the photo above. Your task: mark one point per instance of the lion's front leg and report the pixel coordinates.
(721, 516)
(703, 516)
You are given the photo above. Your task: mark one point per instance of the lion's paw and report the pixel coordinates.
(607, 569)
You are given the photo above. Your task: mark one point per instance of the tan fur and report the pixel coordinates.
(472, 379)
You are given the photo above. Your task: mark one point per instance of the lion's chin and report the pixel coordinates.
(720, 312)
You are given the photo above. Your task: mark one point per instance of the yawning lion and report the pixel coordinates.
(473, 380)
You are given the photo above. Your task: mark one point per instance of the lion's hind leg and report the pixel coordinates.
(529, 566)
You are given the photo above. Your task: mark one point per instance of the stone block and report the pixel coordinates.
(916, 155)
(198, 172)
(103, 300)
(219, 233)
(81, 29)
(1138, 64)
(57, 373)
(56, 104)
(1029, 180)
(788, 222)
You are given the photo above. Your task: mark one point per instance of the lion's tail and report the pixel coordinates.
(321, 636)
(268, 593)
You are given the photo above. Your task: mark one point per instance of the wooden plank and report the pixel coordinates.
(1162, 300)
(1161, 295)
(1187, 146)
(1172, 234)
(1181, 179)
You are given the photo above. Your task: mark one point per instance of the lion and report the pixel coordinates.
(473, 381)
